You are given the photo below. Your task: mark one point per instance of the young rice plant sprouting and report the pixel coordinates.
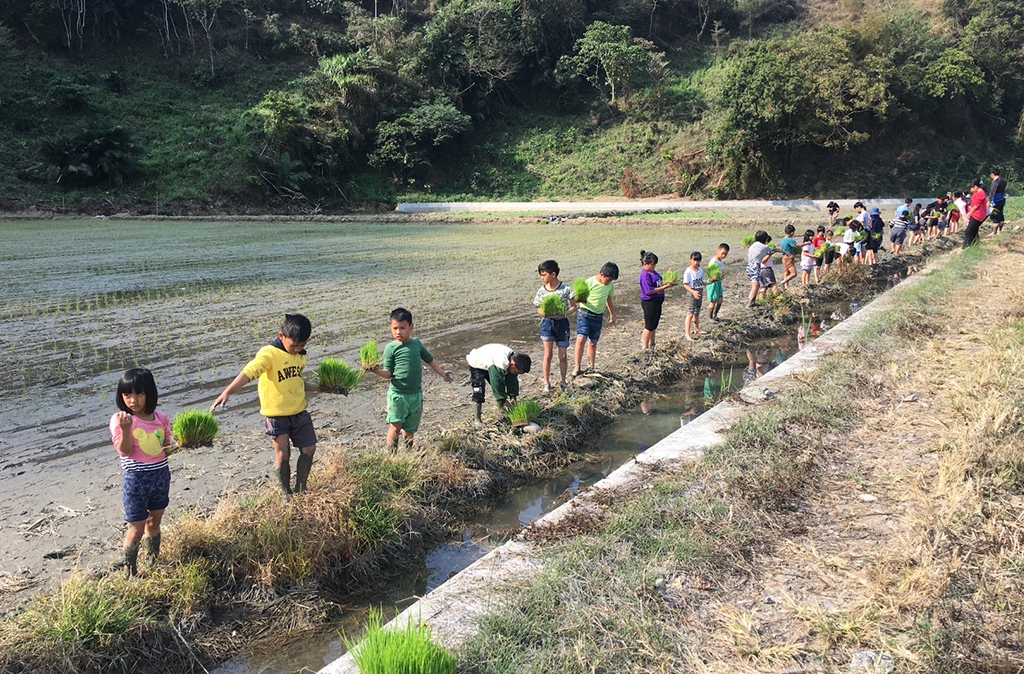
(338, 376)
(524, 412)
(552, 306)
(369, 356)
(581, 289)
(407, 650)
(193, 428)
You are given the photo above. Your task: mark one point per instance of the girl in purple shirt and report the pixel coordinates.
(652, 296)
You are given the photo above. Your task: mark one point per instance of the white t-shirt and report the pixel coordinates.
(844, 247)
(487, 355)
(694, 279)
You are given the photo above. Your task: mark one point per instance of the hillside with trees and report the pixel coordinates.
(298, 105)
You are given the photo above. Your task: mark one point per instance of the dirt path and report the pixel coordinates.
(851, 562)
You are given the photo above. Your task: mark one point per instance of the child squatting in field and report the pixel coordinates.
(402, 368)
(501, 366)
(141, 437)
(282, 392)
(590, 318)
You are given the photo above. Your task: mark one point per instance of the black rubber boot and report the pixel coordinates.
(477, 421)
(153, 548)
(131, 558)
(284, 474)
(302, 467)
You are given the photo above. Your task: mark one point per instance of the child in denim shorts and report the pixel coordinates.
(590, 317)
(554, 330)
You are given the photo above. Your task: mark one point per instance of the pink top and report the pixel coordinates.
(149, 439)
(979, 206)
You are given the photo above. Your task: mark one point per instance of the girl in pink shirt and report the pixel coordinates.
(141, 437)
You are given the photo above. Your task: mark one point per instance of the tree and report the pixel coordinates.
(205, 12)
(609, 56)
(413, 138)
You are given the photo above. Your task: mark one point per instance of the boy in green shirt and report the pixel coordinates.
(402, 359)
(590, 319)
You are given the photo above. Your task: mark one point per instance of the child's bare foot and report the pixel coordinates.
(688, 338)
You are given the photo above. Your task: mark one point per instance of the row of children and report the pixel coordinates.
(142, 435)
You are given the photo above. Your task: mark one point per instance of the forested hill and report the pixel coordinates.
(250, 105)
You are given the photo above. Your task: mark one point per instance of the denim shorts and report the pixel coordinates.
(298, 428)
(145, 491)
(589, 325)
(555, 330)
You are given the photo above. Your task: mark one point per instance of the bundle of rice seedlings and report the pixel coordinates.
(581, 289)
(859, 236)
(337, 376)
(369, 356)
(193, 428)
(552, 306)
(748, 241)
(671, 277)
(524, 412)
(714, 273)
(820, 251)
(839, 231)
(402, 650)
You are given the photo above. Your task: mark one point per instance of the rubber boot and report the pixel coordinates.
(284, 475)
(302, 467)
(152, 548)
(477, 421)
(131, 558)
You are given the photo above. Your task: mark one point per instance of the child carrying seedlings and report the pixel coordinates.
(807, 258)
(279, 367)
(402, 368)
(590, 317)
(715, 270)
(789, 252)
(141, 437)
(652, 297)
(757, 254)
(554, 329)
(831, 252)
(819, 244)
(693, 281)
(501, 366)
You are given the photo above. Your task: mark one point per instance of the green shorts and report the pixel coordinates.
(405, 409)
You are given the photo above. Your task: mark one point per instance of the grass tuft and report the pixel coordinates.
(552, 306)
(337, 376)
(369, 356)
(581, 289)
(407, 650)
(524, 412)
(193, 428)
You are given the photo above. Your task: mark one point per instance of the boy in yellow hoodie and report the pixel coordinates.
(282, 391)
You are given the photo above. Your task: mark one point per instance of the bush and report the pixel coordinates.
(338, 376)
(94, 155)
(407, 650)
(192, 428)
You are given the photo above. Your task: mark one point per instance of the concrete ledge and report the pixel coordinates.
(626, 206)
(452, 609)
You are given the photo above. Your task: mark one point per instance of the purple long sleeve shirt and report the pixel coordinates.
(649, 280)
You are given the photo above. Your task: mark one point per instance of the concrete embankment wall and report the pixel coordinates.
(611, 207)
(452, 609)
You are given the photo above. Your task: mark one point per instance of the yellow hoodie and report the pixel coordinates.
(282, 391)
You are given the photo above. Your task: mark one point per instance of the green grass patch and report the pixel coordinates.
(369, 355)
(193, 428)
(524, 411)
(337, 376)
(552, 306)
(402, 650)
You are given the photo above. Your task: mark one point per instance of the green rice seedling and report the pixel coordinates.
(404, 650)
(581, 289)
(193, 428)
(369, 356)
(748, 241)
(839, 231)
(524, 412)
(552, 306)
(337, 376)
(714, 273)
(671, 277)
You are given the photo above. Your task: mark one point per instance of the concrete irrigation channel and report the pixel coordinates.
(453, 609)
